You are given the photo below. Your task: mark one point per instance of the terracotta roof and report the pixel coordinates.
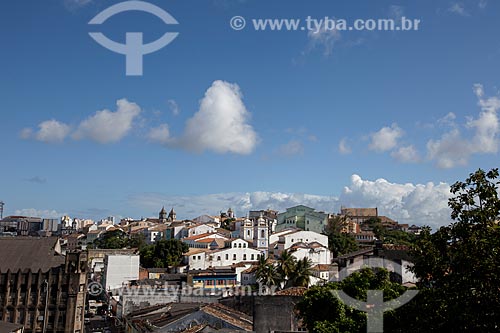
(322, 267)
(195, 237)
(195, 251)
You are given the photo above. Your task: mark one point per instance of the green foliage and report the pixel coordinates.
(459, 265)
(226, 224)
(115, 239)
(267, 273)
(138, 241)
(338, 242)
(163, 253)
(322, 311)
(287, 272)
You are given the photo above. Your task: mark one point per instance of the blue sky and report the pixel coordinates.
(373, 118)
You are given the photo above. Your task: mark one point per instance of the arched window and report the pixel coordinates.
(262, 233)
(244, 257)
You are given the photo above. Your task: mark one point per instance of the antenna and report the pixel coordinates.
(1, 209)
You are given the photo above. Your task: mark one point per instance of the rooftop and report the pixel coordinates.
(24, 253)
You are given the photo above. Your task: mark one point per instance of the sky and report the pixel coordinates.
(247, 119)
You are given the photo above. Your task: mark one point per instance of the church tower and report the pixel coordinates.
(172, 216)
(247, 230)
(261, 240)
(163, 215)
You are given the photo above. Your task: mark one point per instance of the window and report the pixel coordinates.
(262, 233)
(248, 233)
(239, 245)
(234, 256)
(252, 257)
(218, 258)
(245, 245)
(244, 257)
(199, 257)
(227, 256)
(194, 257)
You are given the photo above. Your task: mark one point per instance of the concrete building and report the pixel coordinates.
(302, 217)
(39, 287)
(120, 269)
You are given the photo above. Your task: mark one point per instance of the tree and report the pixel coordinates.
(266, 272)
(301, 273)
(322, 311)
(115, 239)
(286, 266)
(339, 242)
(163, 253)
(459, 265)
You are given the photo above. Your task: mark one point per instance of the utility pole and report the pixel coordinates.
(1, 209)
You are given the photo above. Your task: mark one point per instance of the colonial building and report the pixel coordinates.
(39, 287)
(302, 217)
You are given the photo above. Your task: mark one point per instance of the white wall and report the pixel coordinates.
(120, 269)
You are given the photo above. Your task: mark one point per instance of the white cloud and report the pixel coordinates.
(323, 36)
(107, 126)
(386, 138)
(407, 203)
(174, 107)
(453, 149)
(50, 131)
(448, 119)
(449, 151)
(160, 134)
(458, 8)
(344, 147)
(221, 123)
(44, 213)
(293, 147)
(406, 154)
(483, 3)
(422, 204)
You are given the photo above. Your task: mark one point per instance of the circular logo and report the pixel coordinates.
(95, 288)
(237, 22)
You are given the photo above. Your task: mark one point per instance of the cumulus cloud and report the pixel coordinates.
(221, 123)
(106, 126)
(406, 154)
(421, 204)
(44, 213)
(344, 147)
(293, 147)
(49, 131)
(386, 138)
(454, 149)
(160, 134)
(407, 203)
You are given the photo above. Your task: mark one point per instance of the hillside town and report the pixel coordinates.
(164, 274)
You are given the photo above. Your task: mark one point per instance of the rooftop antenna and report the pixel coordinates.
(1, 209)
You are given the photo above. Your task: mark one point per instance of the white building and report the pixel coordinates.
(235, 251)
(197, 229)
(286, 241)
(315, 252)
(119, 270)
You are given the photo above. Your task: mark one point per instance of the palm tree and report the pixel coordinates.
(302, 273)
(286, 266)
(266, 272)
